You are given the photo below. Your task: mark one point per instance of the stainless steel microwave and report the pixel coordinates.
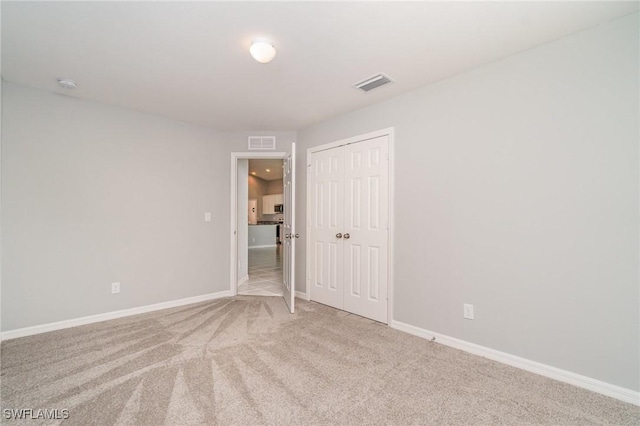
(278, 208)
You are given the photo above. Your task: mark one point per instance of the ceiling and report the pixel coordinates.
(190, 61)
(259, 168)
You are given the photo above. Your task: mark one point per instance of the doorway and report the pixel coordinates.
(275, 265)
(265, 220)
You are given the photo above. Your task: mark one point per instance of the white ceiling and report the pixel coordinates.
(259, 168)
(190, 60)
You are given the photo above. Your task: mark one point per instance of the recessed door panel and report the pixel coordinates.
(373, 276)
(318, 262)
(354, 280)
(374, 157)
(318, 217)
(356, 160)
(355, 201)
(334, 204)
(332, 267)
(374, 203)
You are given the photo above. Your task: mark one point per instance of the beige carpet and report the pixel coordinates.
(245, 360)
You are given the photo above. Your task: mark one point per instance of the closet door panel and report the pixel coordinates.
(366, 223)
(326, 221)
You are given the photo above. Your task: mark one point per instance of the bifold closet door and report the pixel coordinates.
(366, 219)
(349, 216)
(326, 249)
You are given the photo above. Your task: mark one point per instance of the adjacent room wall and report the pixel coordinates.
(257, 189)
(516, 190)
(275, 187)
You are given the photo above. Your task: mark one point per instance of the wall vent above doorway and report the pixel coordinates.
(257, 143)
(373, 82)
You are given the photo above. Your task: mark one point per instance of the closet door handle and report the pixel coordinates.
(338, 235)
(347, 236)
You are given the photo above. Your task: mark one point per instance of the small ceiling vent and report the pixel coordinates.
(257, 143)
(373, 82)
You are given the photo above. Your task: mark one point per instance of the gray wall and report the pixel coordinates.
(94, 194)
(275, 187)
(516, 190)
(238, 140)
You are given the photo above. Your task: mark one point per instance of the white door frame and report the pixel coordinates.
(389, 132)
(233, 234)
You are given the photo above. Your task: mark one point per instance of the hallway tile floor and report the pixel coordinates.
(265, 272)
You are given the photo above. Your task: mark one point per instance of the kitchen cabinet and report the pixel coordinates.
(269, 201)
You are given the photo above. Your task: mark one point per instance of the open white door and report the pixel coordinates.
(289, 228)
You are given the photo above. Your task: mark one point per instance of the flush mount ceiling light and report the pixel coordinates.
(262, 51)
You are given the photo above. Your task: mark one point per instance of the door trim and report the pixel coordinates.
(389, 132)
(233, 228)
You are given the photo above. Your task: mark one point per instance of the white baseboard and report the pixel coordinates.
(43, 328)
(243, 279)
(594, 385)
(268, 245)
(301, 295)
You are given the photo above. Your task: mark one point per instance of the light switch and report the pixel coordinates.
(207, 217)
(468, 311)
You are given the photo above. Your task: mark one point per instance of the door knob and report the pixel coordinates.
(287, 235)
(297, 235)
(347, 236)
(338, 235)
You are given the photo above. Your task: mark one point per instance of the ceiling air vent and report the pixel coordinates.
(373, 82)
(262, 142)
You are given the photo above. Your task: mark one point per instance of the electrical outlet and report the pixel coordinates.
(115, 288)
(468, 311)
(207, 217)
